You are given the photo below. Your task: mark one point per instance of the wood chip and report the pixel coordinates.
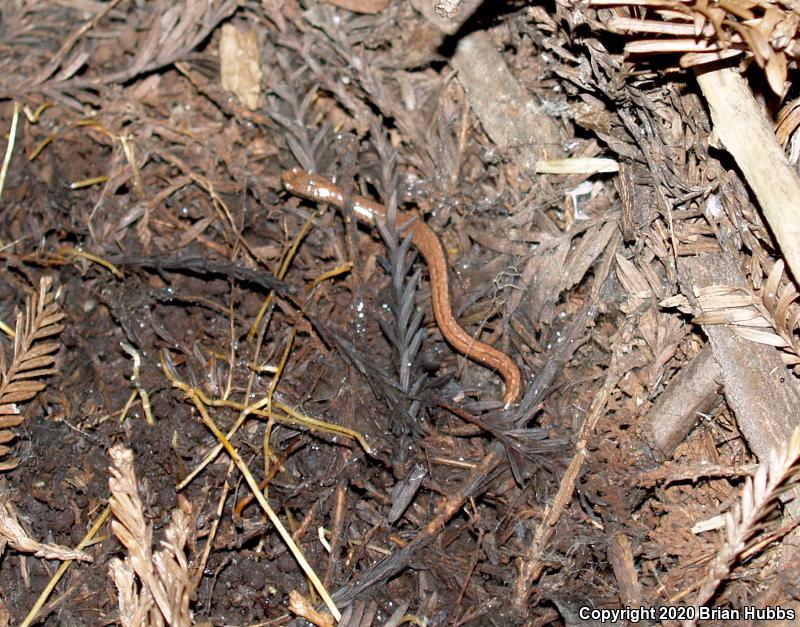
(239, 69)
(361, 6)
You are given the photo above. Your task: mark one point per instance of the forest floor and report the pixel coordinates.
(583, 206)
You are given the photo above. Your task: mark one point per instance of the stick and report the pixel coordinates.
(748, 135)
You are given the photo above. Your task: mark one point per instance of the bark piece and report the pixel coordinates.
(620, 555)
(763, 395)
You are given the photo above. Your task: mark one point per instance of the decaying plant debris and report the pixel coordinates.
(221, 404)
(32, 361)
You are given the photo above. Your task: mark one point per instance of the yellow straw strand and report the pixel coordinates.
(273, 517)
(93, 258)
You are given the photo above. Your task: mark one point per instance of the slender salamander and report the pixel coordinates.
(312, 187)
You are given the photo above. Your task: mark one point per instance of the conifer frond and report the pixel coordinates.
(744, 522)
(33, 359)
(154, 587)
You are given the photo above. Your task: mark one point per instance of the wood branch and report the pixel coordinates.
(747, 134)
(691, 393)
(762, 393)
